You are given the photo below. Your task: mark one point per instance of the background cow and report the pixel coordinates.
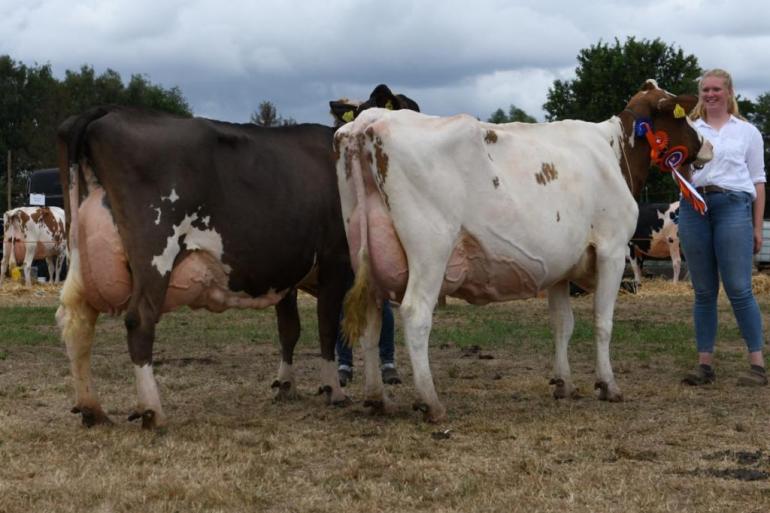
(345, 110)
(657, 237)
(490, 212)
(34, 233)
(167, 211)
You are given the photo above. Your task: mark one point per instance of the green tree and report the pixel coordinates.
(33, 103)
(514, 114)
(758, 112)
(267, 115)
(28, 108)
(606, 78)
(608, 75)
(84, 89)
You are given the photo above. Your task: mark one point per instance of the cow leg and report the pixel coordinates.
(374, 390)
(676, 260)
(28, 256)
(59, 265)
(562, 324)
(330, 295)
(140, 325)
(288, 333)
(49, 261)
(636, 266)
(7, 248)
(417, 314)
(609, 275)
(76, 320)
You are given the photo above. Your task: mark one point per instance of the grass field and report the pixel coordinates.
(507, 446)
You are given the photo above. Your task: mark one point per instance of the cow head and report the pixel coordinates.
(344, 110)
(660, 131)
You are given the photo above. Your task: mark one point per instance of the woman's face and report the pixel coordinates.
(714, 95)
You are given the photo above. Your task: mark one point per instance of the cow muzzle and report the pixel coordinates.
(705, 154)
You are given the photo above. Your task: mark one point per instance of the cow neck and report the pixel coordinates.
(634, 158)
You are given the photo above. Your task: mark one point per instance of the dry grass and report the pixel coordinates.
(506, 447)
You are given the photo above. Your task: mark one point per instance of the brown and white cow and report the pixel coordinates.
(484, 212)
(656, 237)
(167, 211)
(34, 233)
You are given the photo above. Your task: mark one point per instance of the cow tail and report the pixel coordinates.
(358, 297)
(71, 147)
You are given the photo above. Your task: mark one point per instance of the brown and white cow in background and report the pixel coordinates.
(656, 237)
(34, 233)
(489, 212)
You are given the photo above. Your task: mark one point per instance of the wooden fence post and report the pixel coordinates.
(10, 180)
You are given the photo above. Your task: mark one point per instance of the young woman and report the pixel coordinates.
(722, 242)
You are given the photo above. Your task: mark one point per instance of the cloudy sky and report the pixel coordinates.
(450, 56)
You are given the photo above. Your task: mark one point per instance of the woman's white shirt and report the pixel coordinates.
(738, 161)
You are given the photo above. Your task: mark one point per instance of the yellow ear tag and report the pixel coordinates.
(348, 116)
(389, 105)
(679, 112)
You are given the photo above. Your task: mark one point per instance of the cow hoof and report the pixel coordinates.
(563, 390)
(376, 405)
(91, 417)
(149, 419)
(285, 391)
(342, 402)
(608, 392)
(430, 414)
(334, 399)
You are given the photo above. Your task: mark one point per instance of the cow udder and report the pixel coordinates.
(103, 264)
(198, 279)
(474, 275)
(388, 259)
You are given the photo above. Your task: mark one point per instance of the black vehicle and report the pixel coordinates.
(46, 182)
(46, 186)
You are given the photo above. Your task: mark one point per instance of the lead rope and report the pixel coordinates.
(625, 157)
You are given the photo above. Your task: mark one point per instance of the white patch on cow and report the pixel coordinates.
(171, 197)
(195, 239)
(147, 389)
(285, 373)
(206, 220)
(157, 219)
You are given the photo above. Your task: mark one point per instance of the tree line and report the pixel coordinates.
(606, 77)
(33, 102)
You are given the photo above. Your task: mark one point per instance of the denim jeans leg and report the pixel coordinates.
(387, 335)
(344, 351)
(734, 245)
(695, 233)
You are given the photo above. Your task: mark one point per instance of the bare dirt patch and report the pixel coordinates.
(507, 446)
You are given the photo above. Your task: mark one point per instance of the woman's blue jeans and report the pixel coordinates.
(721, 244)
(387, 340)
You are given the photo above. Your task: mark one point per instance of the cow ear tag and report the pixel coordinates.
(679, 112)
(348, 116)
(389, 105)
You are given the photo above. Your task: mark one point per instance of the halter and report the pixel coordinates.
(669, 159)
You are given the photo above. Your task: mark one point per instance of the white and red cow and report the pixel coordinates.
(656, 237)
(34, 233)
(490, 212)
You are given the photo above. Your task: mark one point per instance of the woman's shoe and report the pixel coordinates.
(754, 377)
(702, 375)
